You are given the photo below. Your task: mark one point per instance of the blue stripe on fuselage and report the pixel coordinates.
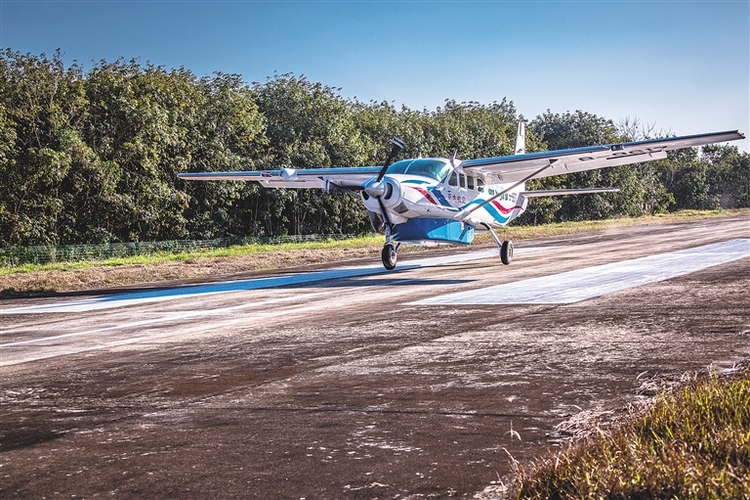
(439, 196)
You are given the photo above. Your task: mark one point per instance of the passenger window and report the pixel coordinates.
(454, 179)
(491, 191)
(470, 182)
(462, 180)
(480, 185)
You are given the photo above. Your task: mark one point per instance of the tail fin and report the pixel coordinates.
(521, 137)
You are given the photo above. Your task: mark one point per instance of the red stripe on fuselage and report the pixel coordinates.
(503, 210)
(427, 195)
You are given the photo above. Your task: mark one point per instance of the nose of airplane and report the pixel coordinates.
(375, 187)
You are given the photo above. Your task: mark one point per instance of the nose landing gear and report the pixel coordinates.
(389, 255)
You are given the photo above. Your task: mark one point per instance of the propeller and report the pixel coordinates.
(377, 188)
(396, 146)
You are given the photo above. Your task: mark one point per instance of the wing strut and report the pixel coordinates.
(498, 195)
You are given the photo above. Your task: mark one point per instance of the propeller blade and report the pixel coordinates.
(396, 146)
(386, 217)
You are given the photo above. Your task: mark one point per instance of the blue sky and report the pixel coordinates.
(679, 65)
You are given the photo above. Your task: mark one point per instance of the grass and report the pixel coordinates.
(371, 242)
(44, 279)
(214, 253)
(693, 442)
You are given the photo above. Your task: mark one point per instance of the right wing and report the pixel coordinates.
(515, 168)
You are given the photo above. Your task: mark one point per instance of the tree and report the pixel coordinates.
(93, 156)
(640, 189)
(43, 106)
(308, 124)
(729, 174)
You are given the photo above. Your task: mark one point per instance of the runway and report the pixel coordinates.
(591, 282)
(358, 382)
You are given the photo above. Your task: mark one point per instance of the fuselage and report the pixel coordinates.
(438, 188)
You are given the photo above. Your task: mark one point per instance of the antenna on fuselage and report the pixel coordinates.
(521, 136)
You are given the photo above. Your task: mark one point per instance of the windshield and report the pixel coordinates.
(427, 167)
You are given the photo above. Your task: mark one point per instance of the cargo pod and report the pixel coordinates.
(435, 230)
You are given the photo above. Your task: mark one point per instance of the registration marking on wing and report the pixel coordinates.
(591, 282)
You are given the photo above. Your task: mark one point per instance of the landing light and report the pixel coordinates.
(288, 174)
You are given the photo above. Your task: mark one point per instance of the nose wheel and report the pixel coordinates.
(390, 256)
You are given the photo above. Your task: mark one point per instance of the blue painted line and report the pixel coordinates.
(149, 296)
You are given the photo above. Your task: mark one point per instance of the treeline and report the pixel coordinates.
(92, 156)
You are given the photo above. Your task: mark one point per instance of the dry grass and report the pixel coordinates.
(693, 442)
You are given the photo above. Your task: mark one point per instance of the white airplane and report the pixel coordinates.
(437, 200)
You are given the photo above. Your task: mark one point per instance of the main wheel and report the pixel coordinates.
(506, 252)
(390, 256)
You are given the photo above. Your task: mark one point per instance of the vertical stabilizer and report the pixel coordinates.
(521, 137)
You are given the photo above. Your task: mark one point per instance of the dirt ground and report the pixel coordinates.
(344, 389)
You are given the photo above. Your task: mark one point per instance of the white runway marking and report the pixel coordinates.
(582, 284)
(114, 336)
(149, 296)
(167, 318)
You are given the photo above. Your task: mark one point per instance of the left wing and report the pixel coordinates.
(347, 178)
(545, 164)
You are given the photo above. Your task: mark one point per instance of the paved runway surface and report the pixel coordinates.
(360, 383)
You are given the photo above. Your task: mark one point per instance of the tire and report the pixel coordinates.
(390, 256)
(506, 252)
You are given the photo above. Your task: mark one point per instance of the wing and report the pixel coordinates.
(538, 193)
(545, 164)
(347, 178)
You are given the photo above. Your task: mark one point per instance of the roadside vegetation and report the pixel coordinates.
(91, 155)
(692, 443)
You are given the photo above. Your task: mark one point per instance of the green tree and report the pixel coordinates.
(224, 131)
(152, 124)
(729, 175)
(43, 106)
(308, 125)
(641, 190)
(94, 157)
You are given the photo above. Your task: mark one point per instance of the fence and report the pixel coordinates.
(17, 256)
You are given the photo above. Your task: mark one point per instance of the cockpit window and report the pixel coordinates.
(434, 169)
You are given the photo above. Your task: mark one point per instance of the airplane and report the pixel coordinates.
(428, 201)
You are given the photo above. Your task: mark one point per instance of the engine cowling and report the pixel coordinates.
(388, 190)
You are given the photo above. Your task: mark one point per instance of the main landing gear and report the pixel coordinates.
(506, 252)
(506, 247)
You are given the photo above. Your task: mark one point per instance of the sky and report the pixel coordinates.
(681, 67)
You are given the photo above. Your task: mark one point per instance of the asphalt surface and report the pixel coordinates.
(359, 383)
